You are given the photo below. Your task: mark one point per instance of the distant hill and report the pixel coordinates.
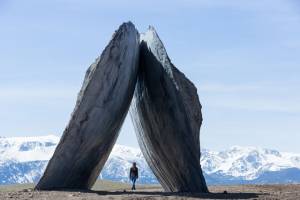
(23, 160)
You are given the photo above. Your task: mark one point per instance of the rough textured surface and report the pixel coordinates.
(166, 113)
(101, 107)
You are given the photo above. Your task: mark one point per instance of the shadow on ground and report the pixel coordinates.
(173, 194)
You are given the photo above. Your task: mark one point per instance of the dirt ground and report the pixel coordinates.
(118, 191)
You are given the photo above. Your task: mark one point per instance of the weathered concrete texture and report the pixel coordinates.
(101, 107)
(166, 113)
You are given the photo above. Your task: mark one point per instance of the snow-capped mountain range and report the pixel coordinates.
(23, 160)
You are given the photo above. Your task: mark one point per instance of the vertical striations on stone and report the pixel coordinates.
(166, 114)
(101, 107)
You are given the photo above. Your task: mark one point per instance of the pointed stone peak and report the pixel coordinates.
(128, 24)
(151, 36)
(155, 45)
(126, 27)
(150, 27)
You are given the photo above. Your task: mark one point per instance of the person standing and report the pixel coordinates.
(133, 175)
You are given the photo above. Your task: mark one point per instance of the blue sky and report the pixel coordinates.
(243, 56)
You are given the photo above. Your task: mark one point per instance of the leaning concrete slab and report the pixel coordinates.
(166, 114)
(101, 107)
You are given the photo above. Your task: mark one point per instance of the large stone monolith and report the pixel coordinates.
(101, 107)
(166, 113)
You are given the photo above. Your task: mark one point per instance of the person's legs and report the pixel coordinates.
(133, 183)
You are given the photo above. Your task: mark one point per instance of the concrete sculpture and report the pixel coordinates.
(165, 111)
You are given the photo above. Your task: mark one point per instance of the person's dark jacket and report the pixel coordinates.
(134, 172)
